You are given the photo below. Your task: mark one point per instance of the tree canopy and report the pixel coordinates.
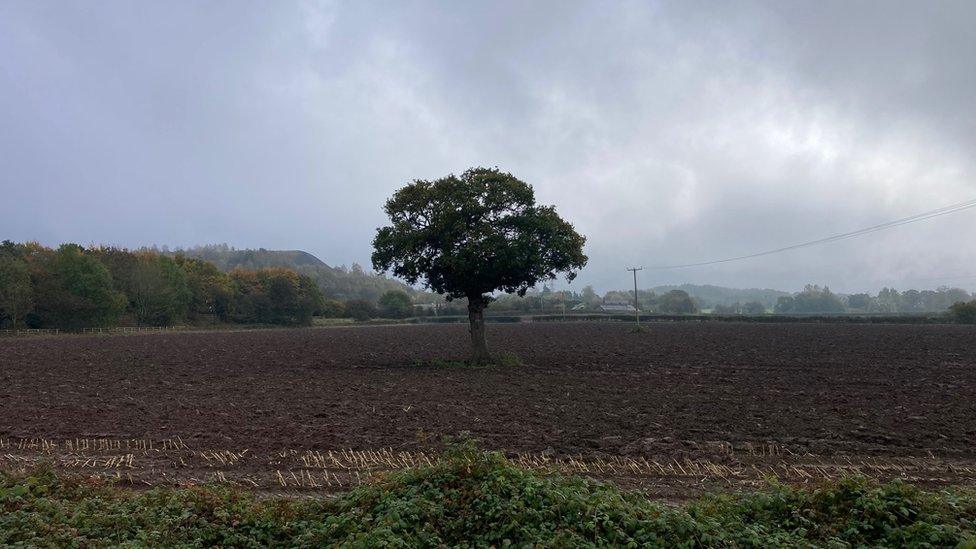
(472, 235)
(395, 304)
(677, 302)
(475, 234)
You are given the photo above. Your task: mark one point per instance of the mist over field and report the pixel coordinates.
(666, 132)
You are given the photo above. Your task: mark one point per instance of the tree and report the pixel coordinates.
(733, 309)
(73, 289)
(813, 299)
(964, 313)
(395, 304)
(677, 302)
(310, 299)
(332, 308)
(274, 296)
(589, 296)
(754, 308)
(282, 289)
(211, 291)
(911, 301)
(360, 309)
(157, 290)
(861, 302)
(16, 296)
(473, 235)
(954, 295)
(888, 301)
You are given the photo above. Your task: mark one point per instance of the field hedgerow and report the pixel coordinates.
(473, 498)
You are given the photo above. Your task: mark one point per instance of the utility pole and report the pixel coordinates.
(636, 304)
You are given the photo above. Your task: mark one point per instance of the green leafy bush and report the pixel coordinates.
(964, 313)
(472, 498)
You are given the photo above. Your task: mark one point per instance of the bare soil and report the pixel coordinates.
(737, 401)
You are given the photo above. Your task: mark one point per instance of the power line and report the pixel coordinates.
(946, 210)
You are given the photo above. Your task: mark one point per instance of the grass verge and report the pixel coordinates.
(473, 498)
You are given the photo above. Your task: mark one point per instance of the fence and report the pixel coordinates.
(30, 331)
(113, 330)
(131, 329)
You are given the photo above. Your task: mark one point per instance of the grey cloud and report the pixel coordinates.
(668, 132)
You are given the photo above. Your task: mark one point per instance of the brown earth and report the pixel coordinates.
(737, 401)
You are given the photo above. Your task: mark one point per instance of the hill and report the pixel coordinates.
(227, 259)
(335, 282)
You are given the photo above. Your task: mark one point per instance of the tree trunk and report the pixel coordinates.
(476, 319)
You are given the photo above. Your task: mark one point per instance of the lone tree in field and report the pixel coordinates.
(472, 236)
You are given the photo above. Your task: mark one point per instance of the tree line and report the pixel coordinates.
(817, 299)
(72, 287)
(813, 299)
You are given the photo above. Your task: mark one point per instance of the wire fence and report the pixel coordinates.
(111, 330)
(30, 331)
(131, 329)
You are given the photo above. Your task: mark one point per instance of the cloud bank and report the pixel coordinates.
(668, 132)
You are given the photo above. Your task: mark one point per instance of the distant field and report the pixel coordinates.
(683, 408)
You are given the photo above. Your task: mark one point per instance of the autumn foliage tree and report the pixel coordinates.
(74, 287)
(473, 235)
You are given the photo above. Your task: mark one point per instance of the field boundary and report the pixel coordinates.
(148, 462)
(30, 332)
(928, 319)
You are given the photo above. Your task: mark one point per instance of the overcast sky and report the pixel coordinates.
(667, 132)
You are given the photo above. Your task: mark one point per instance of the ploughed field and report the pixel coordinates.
(681, 408)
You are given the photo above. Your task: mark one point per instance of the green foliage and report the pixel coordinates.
(395, 304)
(677, 302)
(72, 289)
(16, 296)
(708, 296)
(158, 291)
(211, 291)
(734, 309)
(964, 313)
(753, 308)
(332, 308)
(476, 234)
(157, 287)
(891, 301)
(361, 309)
(273, 296)
(813, 299)
(470, 498)
(859, 302)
